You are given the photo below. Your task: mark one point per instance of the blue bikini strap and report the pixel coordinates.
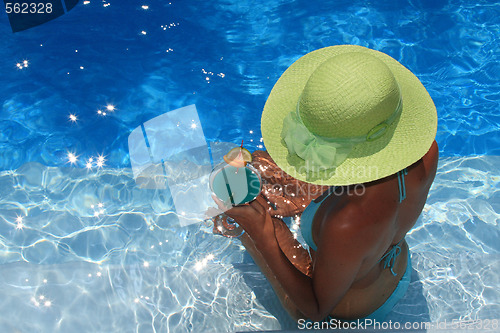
(401, 184)
(325, 194)
(390, 257)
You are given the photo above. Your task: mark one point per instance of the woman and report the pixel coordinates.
(353, 118)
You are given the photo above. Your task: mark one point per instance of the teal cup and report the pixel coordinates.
(235, 186)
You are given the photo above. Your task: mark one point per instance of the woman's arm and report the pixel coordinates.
(334, 267)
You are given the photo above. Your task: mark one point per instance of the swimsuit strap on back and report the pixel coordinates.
(401, 184)
(390, 257)
(308, 216)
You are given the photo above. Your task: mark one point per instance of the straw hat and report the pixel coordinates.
(345, 115)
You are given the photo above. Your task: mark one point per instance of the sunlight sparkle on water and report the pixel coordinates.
(72, 158)
(98, 210)
(23, 64)
(41, 300)
(100, 161)
(19, 221)
(35, 302)
(199, 265)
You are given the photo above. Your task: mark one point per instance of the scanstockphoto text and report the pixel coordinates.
(489, 325)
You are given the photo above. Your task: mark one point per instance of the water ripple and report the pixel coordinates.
(70, 238)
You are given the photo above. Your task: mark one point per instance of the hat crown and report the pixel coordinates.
(348, 95)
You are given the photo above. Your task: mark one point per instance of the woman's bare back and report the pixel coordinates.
(390, 221)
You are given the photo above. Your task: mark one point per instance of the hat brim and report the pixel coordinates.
(407, 139)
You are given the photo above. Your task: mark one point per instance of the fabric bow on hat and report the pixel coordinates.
(319, 153)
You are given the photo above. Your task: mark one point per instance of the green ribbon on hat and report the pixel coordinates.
(323, 153)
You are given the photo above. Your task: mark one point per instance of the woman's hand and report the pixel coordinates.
(254, 217)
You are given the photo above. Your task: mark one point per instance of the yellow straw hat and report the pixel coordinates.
(345, 115)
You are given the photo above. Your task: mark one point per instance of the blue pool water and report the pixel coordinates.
(84, 249)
